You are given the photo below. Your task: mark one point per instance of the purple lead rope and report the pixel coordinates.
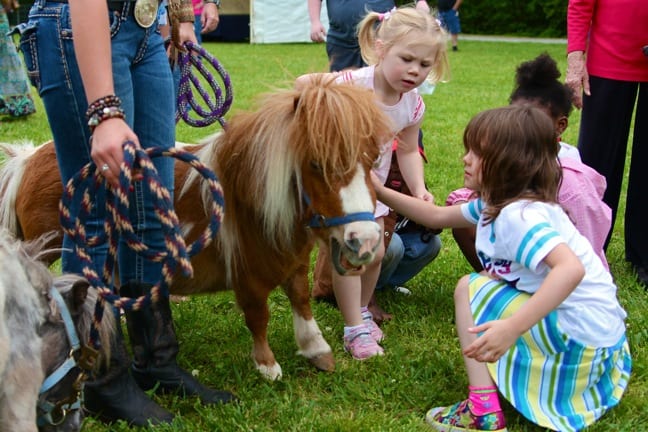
(216, 109)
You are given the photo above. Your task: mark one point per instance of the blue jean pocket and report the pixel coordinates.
(29, 50)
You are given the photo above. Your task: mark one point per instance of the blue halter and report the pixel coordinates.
(321, 221)
(55, 413)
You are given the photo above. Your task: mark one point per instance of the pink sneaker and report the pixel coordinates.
(375, 331)
(361, 345)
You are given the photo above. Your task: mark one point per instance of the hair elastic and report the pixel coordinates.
(386, 15)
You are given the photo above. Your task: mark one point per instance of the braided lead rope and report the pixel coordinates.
(186, 102)
(177, 255)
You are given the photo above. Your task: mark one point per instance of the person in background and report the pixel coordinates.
(206, 17)
(114, 85)
(541, 325)
(581, 190)
(406, 255)
(341, 38)
(449, 15)
(607, 68)
(15, 99)
(403, 47)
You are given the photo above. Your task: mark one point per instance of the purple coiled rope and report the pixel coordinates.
(186, 102)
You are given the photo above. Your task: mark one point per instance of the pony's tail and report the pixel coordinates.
(11, 173)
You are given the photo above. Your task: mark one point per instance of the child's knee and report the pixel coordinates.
(461, 292)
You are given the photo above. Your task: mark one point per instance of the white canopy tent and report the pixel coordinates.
(281, 21)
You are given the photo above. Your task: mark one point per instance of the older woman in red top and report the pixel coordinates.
(608, 70)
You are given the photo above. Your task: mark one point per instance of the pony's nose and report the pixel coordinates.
(362, 238)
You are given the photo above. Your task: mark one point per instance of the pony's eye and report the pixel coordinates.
(316, 167)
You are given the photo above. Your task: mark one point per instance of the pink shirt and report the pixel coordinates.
(406, 112)
(581, 195)
(197, 6)
(612, 33)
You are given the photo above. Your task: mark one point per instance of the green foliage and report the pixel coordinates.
(544, 18)
(422, 367)
(540, 18)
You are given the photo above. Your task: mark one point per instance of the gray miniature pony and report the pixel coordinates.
(43, 320)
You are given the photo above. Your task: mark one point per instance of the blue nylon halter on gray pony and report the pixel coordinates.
(80, 357)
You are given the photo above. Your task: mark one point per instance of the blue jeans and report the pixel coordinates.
(405, 257)
(198, 28)
(142, 79)
(450, 20)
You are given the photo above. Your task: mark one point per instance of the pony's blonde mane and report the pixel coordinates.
(262, 153)
(205, 155)
(10, 179)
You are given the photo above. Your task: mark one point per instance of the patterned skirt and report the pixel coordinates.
(553, 380)
(15, 99)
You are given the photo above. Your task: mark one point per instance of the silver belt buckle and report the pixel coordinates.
(145, 12)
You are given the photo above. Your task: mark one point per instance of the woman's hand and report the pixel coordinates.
(186, 34)
(107, 147)
(577, 77)
(209, 18)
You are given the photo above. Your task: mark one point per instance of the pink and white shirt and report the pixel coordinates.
(406, 112)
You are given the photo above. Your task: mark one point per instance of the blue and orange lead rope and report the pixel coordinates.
(82, 187)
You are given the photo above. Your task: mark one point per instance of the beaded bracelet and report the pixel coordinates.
(105, 114)
(104, 108)
(103, 102)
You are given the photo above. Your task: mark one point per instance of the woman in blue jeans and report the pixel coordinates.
(103, 75)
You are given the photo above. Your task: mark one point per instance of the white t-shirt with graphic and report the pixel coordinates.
(513, 247)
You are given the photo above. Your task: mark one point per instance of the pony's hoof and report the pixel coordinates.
(324, 362)
(272, 373)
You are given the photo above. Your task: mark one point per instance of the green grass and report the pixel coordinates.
(423, 366)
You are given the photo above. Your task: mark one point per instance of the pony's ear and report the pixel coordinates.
(79, 293)
(296, 102)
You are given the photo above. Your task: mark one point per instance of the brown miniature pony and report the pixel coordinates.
(43, 322)
(292, 171)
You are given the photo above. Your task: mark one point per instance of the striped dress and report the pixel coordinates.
(574, 365)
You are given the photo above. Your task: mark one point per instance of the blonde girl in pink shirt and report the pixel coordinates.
(403, 48)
